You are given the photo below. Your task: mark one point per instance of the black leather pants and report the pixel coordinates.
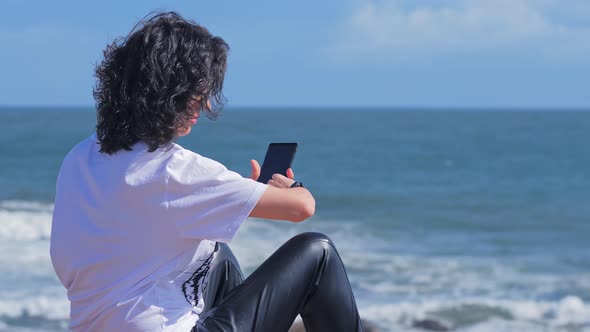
(304, 276)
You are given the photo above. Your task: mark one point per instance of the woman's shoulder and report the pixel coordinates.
(186, 160)
(82, 149)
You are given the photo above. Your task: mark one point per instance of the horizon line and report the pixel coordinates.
(334, 107)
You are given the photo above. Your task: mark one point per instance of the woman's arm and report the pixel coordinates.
(280, 201)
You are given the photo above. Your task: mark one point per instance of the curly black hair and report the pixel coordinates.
(153, 81)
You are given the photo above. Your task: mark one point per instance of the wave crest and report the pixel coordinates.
(23, 220)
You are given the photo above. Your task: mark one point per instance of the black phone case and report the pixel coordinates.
(279, 157)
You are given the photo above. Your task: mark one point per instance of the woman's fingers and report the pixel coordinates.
(290, 174)
(280, 181)
(255, 174)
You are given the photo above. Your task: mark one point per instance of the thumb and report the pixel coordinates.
(255, 169)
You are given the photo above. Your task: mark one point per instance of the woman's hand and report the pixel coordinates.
(281, 181)
(278, 180)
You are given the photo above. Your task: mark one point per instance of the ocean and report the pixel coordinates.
(478, 220)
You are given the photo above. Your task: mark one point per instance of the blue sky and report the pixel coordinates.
(351, 53)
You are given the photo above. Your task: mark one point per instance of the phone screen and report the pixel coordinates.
(278, 159)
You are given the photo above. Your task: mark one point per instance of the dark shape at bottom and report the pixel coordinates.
(367, 327)
(430, 324)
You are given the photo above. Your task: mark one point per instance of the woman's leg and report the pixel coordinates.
(225, 274)
(304, 276)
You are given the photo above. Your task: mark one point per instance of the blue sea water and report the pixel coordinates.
(479, 220)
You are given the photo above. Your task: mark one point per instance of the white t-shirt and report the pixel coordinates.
(133, 233)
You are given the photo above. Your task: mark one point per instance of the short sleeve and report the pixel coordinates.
(205, 200)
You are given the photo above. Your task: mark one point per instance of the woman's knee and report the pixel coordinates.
(313, 243)
(309, 237)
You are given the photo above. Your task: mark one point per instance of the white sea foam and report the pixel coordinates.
(567, 314)
(21, 220)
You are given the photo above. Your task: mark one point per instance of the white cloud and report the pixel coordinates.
(402, 28)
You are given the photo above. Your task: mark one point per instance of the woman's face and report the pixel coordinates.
(196, 111)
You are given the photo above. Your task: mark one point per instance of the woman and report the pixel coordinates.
(140, 223)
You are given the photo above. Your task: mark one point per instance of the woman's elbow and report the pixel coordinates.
(306, 210)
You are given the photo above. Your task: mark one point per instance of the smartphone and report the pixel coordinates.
(279, 157)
